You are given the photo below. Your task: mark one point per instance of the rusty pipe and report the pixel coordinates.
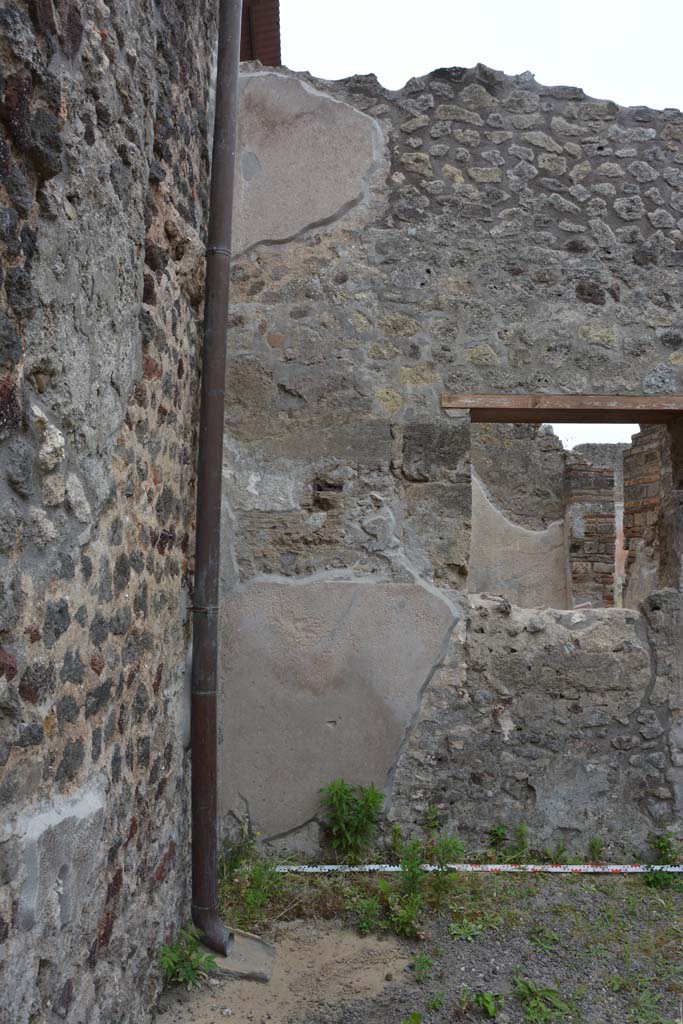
(209, 474)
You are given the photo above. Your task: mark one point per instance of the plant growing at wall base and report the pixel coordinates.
(596, 850)
(658, 878)
(555, 855)
(498, 836)
(446, 850)
(183, 962)
(443, 851)
(412, 873)
(430, 818)
(235, 852)
(352, 815)
(395, 844)
(665, 847)
(667, 852)
(249, 889)
(518, 852)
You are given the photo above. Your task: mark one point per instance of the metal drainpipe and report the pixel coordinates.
(210, 463)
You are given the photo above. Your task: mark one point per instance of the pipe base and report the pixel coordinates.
(215, 934)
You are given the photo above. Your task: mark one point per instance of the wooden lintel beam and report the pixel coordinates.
(540, 408)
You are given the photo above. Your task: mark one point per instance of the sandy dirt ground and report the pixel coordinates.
(317, 966)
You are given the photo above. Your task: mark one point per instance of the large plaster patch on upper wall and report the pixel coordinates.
(303, 159)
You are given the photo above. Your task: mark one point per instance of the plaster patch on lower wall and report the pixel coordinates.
(56, 851)
(321, 678)
(529, 567)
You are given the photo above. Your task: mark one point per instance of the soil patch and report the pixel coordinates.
(318, 967)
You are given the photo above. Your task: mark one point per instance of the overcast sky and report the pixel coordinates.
(614, 49)
(621, 50)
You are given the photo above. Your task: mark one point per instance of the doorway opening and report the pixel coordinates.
(595, 523)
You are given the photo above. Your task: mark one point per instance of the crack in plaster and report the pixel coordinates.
(410, 728)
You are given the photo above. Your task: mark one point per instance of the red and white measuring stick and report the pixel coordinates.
(492, 869)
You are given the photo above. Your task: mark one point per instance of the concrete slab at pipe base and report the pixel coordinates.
(251, 958)
(319, 680)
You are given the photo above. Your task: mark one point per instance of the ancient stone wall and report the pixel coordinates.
(103, 174)
(521, 466)
(471, 232)
(565, 721)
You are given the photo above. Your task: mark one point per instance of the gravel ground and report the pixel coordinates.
(612, 948)
(609, 949)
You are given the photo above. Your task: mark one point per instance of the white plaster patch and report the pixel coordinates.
(303, 158)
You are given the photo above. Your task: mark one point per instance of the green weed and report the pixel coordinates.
(555, 855)
(249, 890)
(541, 1005)
(235, 851)
(422, 967)
(543, 938)
(465, 930)
(665, 847)
(352, 815)
(518, 851)
(444, 850)
(430, 819)
(395, 844)
(465, 999)
(412, 873)
(489, 1003)
(369, 914)
(436, 1002)
(596, 850)
(657, 878)
(498, 836)
(183, 962)
(645, 1008)
(405, 913)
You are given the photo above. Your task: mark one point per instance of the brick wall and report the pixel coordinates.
(652, 518)
(591, 530)
(642, 489)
